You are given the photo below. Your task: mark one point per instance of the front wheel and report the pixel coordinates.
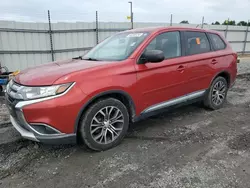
(217, 93)
(104, 124)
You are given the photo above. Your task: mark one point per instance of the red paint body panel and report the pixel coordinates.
(161, 81)
(146, 84)
(48, 73)
(60, 112)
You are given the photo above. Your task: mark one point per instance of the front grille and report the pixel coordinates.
(15, 87)
(12, 92)
(10, 99)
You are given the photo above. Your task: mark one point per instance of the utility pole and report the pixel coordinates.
(202, 22)
(171, 20)
(96, 27)
(131, 14)
(51, 39)
(226, 28)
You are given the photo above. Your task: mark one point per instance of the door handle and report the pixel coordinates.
(181, 68)
(214, 61)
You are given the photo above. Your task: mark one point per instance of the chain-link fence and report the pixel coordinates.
(49, 36)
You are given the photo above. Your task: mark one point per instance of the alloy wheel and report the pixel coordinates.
(219, 93)
(107, 125)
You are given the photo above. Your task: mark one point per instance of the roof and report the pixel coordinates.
(155, 29)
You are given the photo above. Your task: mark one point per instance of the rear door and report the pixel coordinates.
(160, 82)
(199, 58)
(226, 58)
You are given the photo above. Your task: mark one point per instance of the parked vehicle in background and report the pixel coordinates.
(127, 77)
(5, 77)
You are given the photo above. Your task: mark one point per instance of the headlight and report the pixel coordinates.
(40, 92)
(26, 92)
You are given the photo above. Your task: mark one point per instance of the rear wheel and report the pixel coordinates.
(104, 124)
(217, 93)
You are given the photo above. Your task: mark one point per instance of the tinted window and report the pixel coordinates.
(218, 43)
(197, 43)
(168, 42)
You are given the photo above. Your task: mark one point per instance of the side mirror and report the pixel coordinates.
(152, 56)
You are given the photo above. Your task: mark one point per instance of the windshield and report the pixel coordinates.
(117, 47)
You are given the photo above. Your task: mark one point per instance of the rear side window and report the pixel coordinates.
(196, 43)
(218, 43)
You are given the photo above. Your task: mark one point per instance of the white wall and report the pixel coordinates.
(37, 41)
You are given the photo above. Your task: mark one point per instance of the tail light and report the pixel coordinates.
(235, 55)
(237, 60)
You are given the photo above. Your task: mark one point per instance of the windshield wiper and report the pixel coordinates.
(90, 59)
(79, 57)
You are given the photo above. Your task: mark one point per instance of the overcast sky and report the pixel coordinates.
(117, 10)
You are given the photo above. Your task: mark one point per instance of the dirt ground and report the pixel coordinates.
(186, 147)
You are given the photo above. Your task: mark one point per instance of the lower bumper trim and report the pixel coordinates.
(58, 139)
(47, 139)
(24, 133)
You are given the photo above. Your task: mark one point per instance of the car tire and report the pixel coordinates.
(216, 95)
(104, 124)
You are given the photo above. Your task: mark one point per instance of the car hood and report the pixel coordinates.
(48, 73)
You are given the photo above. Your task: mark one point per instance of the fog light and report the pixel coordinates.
(44, 129)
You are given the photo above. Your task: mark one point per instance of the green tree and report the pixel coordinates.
(184, 22)
(216, 23)
(242, 23)
(230, 22)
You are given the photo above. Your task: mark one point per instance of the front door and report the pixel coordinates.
(161, 82)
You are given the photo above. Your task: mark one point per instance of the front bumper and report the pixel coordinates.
(24, 133)
(47, 120)
(28, 132)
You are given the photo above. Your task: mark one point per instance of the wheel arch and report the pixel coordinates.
(121, 95)
(225, 74)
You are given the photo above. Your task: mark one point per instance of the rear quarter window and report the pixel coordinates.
(217, 42)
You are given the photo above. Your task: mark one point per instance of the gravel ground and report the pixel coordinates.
(186, 147)
(244, 67)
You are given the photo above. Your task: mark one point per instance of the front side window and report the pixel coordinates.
(168, 42)
(196, 43)
(117, 47)
(218, 43)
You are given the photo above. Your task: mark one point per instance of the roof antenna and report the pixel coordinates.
(198, 25)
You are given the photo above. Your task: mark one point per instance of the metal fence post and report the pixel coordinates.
(51, 39)
(96, 27)
(171, 20)
(245, 40)
(131, 14)
(226, 28)
(202, 22)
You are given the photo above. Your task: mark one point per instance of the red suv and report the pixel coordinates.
(127, 77)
